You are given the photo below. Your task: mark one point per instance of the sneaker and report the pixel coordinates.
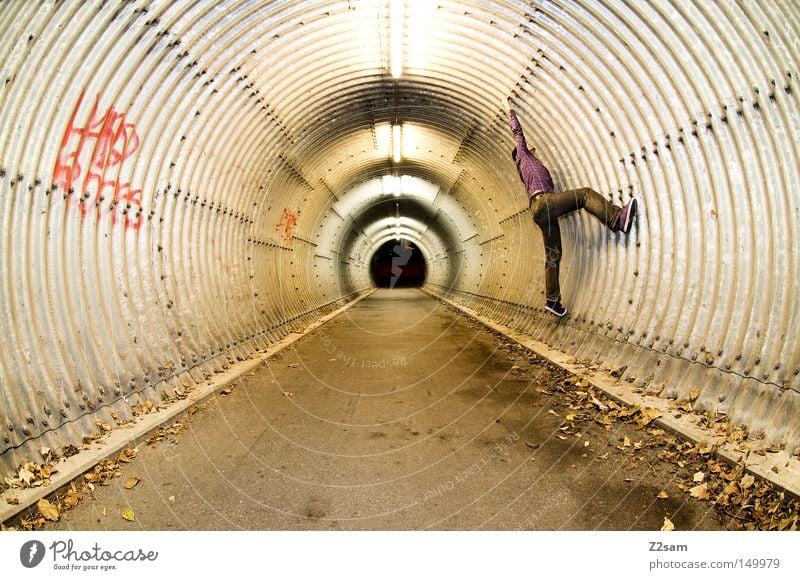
(555, 307)
(626, 215)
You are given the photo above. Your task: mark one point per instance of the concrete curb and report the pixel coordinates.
(787, 476)
(73, 467)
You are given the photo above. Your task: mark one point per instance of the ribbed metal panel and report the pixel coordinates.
(186, 182)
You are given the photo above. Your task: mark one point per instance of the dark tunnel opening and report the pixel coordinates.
(398, 264)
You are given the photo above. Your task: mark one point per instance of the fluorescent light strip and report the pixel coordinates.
(397, 144)
(396, 37)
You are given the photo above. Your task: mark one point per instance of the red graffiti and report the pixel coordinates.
(90, 162)
(288, 220)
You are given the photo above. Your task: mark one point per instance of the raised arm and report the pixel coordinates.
(516, 129)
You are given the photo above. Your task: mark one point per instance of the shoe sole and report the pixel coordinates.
(626, 227)
(556, 313)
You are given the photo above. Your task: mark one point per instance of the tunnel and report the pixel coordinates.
(184, 185)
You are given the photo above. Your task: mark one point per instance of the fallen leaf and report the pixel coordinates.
(552, 412)
(630, 411)
(695, 392)
(172, 498)
(599, 404)
(668, 525)
(647, 415)
(699, 477)
(12, 500)
(128, 514)
(700, 491)
(131, 482)
(71, 499)
(704, 448)
(45, 451)
(626, 442)
(25, 476)
(532, 445)
(48, 510)
(227, 391)
(663, 495)
(586, 444)
(571, 417)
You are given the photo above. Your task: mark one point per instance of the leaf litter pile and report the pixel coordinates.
(750, 503)
(32, 474)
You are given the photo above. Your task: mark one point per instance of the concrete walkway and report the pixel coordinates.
(398, 415)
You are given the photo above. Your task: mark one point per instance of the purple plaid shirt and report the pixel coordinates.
(534, 175)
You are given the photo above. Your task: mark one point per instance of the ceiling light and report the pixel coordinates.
(397, 145)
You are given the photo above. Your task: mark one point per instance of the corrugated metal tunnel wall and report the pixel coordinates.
(183, 183)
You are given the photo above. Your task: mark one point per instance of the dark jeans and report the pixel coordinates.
(547, 208)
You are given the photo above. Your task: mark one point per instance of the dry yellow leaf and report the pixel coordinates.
(626, 442)
(648, 414)
(26, 476)
(71, 499)
(694, 393)
(699, 477)
(704, 448)
(128, 514)
(131, 482)
(700, 491)
(747, 481)
(668, 525)
(48, 510)
(571, 417)
(663, 495)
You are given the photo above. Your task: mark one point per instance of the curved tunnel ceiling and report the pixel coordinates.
(183, 183)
